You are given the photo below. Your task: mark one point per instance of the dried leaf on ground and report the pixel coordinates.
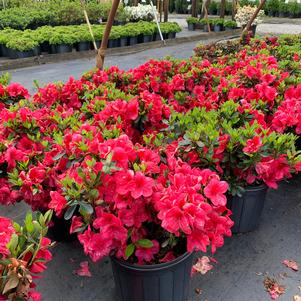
(198, 291)
(202, 266)
(83, 270)
(297, 298)
(291, 264)
(273, 287)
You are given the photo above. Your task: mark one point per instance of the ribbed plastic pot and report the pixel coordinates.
(132, 41)
(83, 46)
(172, 35)
(147, 39)
(159, 282)
(217, 28)
(123, 42)
(4, 51)
(14, 54)
(63, 48)
(45, 47)
(247, 209)
(191, 26)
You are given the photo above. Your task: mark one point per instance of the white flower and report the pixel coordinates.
(245, 13)
(140, 12)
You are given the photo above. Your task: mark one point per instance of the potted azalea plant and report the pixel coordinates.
(148, 211)
(24, 252)
(246, 154)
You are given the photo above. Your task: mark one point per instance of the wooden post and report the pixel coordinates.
(166, 7)
(223, 9)
(234, 9)
(206, 15)
(104, 42)
(194, 12)
(88, 23)
(247, 28)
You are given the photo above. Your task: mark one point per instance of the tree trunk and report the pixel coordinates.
(104, 42)
(234, 9)
(166, 6)
(223, 9)
(194, 12)
(247, 28)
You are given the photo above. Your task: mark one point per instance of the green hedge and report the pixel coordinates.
(28, 39)
(62, 12)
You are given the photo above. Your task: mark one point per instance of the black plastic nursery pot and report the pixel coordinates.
(172, 35)
(82, 46)
(217, 28)
(123, 42)
(157, 37)
(63, 48)
(191, 26)
(147, 39)
(114, 43)
(133, 41)
(15, 54)
(247, 209)
(4, 50)
(159, 282)
(45, 47)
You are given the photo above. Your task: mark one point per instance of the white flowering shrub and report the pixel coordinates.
(245, 13)
(140, 12)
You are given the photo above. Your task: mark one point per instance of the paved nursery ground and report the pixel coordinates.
(243, 263)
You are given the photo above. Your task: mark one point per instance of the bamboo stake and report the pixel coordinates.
(206, 16)
(88, 23)
(247, 28)
(104, 42)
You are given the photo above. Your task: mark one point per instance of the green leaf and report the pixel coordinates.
(69, 212)
(28, 222)
(129, 250)
(86, 208)
(58, 156)
(12, 245)
(145, 243)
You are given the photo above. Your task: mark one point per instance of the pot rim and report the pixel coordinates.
(261, 186)
(152, 267)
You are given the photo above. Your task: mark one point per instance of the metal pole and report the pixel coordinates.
(156, 19)
(104, 42)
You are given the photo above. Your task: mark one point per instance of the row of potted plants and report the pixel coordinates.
(60, 39)
(39, 13)
(214, 24)
(272, 8)
(152, 164)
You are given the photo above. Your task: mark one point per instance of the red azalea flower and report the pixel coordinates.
(142, 186)
(215, 192)
(252, 145)
(77, 223)
(147, 254)
(57, 203)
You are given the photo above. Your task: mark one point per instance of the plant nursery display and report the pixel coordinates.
(152, 165)
(140, 12)
(17, 44)
(23, 256)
